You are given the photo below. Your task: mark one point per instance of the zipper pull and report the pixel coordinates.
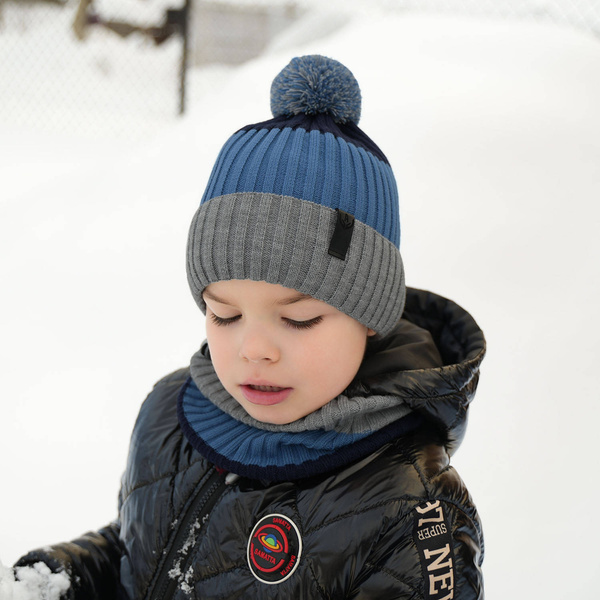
(231, 478)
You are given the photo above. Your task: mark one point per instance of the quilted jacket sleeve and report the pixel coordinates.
(436, 555)
(91, 561)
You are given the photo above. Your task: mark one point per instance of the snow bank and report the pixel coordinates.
(32, 583)
(492, 129)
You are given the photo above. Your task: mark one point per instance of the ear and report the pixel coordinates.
(371, 332)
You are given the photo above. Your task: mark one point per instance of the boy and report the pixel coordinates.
(305, 451)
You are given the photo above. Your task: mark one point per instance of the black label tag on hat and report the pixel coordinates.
(434, 544)
(274, 549)
(342, 234)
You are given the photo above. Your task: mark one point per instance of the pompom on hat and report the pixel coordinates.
(305, 200)
(311, 85)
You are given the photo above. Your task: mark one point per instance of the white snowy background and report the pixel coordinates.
(493, 130)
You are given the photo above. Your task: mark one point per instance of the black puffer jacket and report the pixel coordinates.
(398, 523)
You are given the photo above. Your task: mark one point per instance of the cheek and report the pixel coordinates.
(220, 348)
(347, 362)
(333, 365)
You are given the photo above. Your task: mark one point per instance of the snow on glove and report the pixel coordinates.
(35, 582)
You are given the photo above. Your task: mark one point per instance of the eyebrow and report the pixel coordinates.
(293, 299)
(283, 302)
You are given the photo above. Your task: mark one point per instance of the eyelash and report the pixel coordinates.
(300, 325)
(221, 321)
(303, 324)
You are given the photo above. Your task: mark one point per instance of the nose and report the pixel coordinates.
(257, 345)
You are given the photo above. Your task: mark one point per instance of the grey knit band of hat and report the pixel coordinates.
(305, 200)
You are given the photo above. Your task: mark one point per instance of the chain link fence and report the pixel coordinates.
(108, 68)
(117, 67)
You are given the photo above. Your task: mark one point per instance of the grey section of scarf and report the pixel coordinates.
(357, 414)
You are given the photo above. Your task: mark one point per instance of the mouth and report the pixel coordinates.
(265, 395)
(266, 388)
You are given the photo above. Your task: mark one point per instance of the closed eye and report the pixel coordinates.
(222, 321)
(303, 324)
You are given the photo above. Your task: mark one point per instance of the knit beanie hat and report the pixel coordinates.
(305, 200)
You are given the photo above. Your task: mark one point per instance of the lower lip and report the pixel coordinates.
(265, 398)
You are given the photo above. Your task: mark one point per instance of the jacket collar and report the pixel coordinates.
(398, 363)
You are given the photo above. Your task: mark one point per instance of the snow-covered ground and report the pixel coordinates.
(493, 131)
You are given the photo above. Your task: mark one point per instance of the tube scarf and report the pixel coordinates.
(346, 429)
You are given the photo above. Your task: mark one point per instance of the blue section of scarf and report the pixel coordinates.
(276, 456)
(246, 444)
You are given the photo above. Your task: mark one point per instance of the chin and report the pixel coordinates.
(270, 416)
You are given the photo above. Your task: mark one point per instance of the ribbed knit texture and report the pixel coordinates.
(310, 165)
(348, 415)
(244, 443)
(349, 132)
(274, 456)
(280, 239)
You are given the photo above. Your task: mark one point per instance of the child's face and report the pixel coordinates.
(279, 353)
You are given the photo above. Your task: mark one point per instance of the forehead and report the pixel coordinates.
(247, 290)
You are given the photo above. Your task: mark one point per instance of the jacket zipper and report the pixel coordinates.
(194, 518)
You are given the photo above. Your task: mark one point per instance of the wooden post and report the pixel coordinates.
(184, 55)
(80, 21)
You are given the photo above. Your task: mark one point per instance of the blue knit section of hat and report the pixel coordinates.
(251, 446)
(309, 165)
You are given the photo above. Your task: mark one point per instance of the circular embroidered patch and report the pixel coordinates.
(274, 549)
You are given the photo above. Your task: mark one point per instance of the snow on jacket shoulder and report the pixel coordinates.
(398, 523)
